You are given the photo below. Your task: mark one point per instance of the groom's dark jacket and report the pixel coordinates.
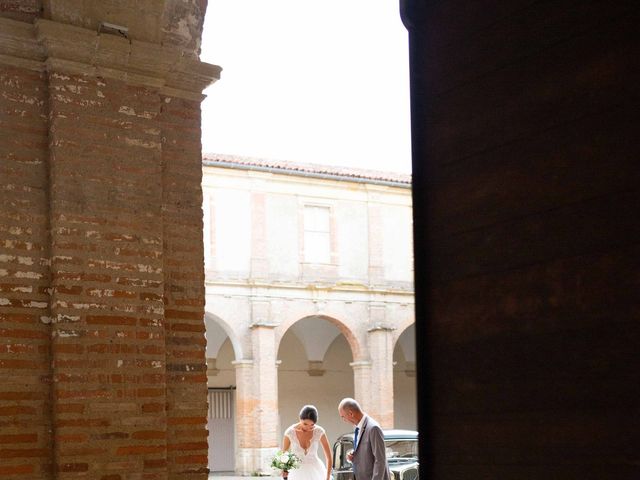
(370, 455)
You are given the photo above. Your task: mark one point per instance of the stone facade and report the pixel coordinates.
(102, 361)
(309, 297)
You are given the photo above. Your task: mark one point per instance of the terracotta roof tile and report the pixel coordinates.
(306, 168)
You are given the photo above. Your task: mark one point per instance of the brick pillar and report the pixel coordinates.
(265, 394)
(108, 338)
(118, 186)
(25, 421)
(245, 411)
(186, 397)
(265, 382)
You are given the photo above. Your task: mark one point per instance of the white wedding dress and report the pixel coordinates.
(312, 468)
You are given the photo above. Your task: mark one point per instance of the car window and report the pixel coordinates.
(401, 449)
(337, 455)
(340, 455)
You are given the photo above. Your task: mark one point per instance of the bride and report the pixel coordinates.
(302, 438)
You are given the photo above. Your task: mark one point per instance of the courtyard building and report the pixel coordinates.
(309, 298)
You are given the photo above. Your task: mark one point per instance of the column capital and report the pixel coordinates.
(361, 364)
(244, 363)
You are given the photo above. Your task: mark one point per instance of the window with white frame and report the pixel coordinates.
(317, 234)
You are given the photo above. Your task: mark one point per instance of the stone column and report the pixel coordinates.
(362, 382)
(381, 352)
(381, 348)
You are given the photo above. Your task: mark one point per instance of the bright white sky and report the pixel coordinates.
(315, 81)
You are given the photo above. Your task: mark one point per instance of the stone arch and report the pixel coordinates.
(398, 335)
(315, 367)
(211, 321)
(401, 328)
(352, 339)
(404, 381)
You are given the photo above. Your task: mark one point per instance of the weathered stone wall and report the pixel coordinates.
(101, 266)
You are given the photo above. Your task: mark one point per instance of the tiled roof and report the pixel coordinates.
(307, 169)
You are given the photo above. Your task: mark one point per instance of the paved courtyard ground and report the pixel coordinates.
(230, 476)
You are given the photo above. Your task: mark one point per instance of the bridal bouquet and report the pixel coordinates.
(285, 461)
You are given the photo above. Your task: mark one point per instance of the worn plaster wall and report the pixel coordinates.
(102, 362)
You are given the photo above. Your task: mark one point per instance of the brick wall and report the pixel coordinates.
(107, 268)
(102, 351)
(25, 376)
(184, 288)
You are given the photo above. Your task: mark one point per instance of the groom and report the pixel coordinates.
(369, 456)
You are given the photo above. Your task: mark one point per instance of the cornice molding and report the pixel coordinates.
(19, 46)
(53, 46)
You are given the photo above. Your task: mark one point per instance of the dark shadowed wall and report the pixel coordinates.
(527, 201)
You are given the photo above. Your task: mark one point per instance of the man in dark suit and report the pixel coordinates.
(369, 456)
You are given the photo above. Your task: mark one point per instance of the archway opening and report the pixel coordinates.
(314, 368)
(221, 383)
(405, 414)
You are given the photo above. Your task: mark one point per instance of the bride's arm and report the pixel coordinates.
(327, 454)
(286, 443)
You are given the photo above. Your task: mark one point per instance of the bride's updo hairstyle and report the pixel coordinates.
(309, 412)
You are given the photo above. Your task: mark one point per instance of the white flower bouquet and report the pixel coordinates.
(285, 461)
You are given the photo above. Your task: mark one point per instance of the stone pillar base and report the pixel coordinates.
(251, 461)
